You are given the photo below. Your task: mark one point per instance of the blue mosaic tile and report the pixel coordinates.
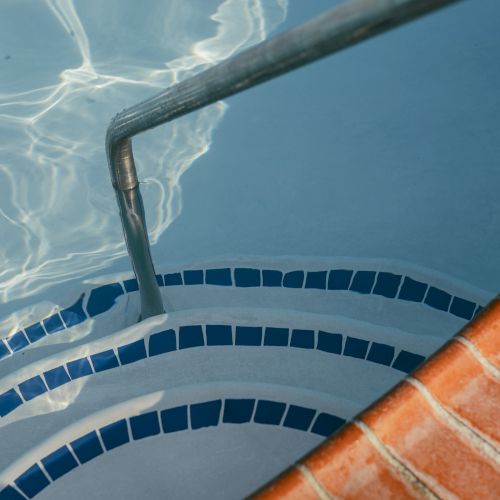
(248, 335)
(238, 411)
(329, 342)
(412, 290)
(269, 412)
(159, 279)
(356, 348)
(174, 419)
(87, 447)
(462, 308)
(56, 377)
(173, 279)
(205, 414)
(130, 353)
(32, 388)
(9, 401)
(221, 277)
(303, 339)
(104, 360)
(53, 324)
(246, 277)
(131, 285)
(17, 342)
(438, 299)
(103, 298)
(387, 285)
(193, 277)
(32, 482)
(115, 434)
(272, 277)
(382, 354)
(79, 368)
(35, 332)
(326, 424)
(59, 462)
(9, 493)
(190, 336)
(339, 279)
(298, 417)
(407, 361)
(145, 425)
(316, 279)
(4, 351)
(74, 314)
(160, 343)
(362, 282)
(219, 335)
(276, 336)
(293, 279)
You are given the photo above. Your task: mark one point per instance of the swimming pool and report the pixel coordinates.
(374, 184)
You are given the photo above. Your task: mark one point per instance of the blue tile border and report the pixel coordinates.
(35, 332)
(202, 415)
(32, 481)
(18, 341)
(32, 388)
(174, 419)
(193, 336)
(9, 401)
(56, 377)
(59, 462)
(378, 283)
(87, 447)
(114, 434)
(103, 298)
(4, 350)
(53, 324)
(79, 368)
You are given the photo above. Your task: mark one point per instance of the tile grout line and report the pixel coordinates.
(73, 453)
(313, 482)
(462, 429)
(99, 438)
(480, 357)
(394, 462)
(15, 487)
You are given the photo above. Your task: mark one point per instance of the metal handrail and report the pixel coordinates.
(341, 27)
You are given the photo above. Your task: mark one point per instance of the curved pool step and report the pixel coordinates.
(221, 334)
(392, 294)
(317, 370)
(228, 425)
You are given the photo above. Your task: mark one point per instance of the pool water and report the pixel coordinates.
(315, 239)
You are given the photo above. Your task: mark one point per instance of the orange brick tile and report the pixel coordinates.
(484, 332)
(291, 485)
(441, 458)
(349, 467)
(461, 383)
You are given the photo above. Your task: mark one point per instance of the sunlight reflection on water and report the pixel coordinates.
(71, 67)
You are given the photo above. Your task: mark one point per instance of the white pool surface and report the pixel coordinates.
(315, 238)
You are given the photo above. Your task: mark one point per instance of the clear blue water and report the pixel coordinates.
(67, 68)
(387, 150)
(367, 182)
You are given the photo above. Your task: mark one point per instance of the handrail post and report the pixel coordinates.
(128, 195)
(340, 27)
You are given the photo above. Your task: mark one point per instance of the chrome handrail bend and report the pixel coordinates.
(340, 27)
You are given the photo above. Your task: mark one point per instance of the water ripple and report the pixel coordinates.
(71, 66)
